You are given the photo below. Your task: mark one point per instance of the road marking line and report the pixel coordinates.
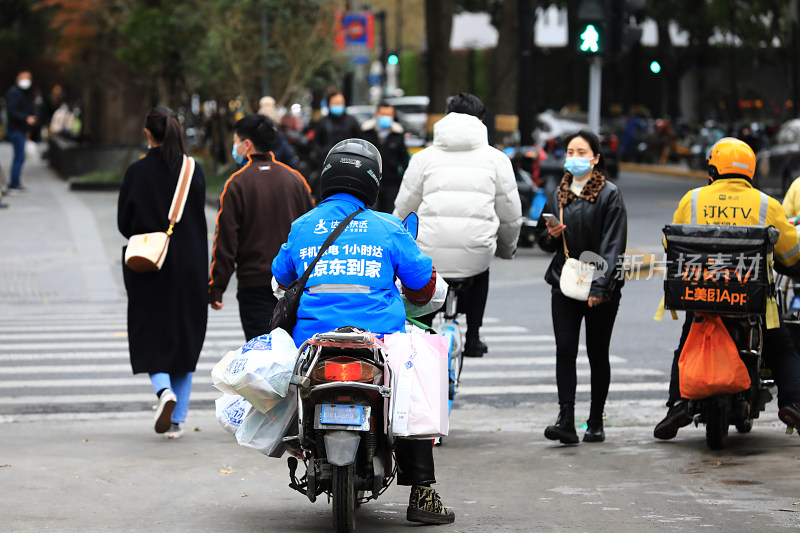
(541, 389)
(523, 361)
(198, 415)
(468, 377)
(87, 332)
(69, 399)
(202, 376)
(81, 369)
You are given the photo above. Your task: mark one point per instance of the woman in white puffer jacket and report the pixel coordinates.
(465, 194)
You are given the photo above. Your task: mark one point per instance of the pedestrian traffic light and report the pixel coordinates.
(589, 39)
(655, 67)
(590, 32)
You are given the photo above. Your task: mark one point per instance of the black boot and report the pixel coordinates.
(594, 426)
(594, 431)
(564, 428)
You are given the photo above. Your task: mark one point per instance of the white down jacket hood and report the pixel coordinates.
(466, 197)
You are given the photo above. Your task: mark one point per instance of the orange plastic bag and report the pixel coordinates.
(710, 362)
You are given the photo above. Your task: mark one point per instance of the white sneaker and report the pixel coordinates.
(175, 431)
(166, 404)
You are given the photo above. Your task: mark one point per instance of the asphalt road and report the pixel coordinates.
(78, 452)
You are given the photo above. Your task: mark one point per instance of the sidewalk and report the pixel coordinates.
(53, 248)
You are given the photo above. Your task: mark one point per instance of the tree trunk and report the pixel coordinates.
(506, 64)
(438, 26)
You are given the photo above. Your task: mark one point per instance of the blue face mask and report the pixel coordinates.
(578, 166)
(336, 109)
(236, 157)
(385, 122)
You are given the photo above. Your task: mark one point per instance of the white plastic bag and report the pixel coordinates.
(231, 410)
(437, 301)
(419, 370)
(259, 371)
(265, 431)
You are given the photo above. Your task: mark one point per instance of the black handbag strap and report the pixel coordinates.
(332, 237)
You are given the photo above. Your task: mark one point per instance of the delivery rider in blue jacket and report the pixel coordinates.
(731, 200)
(353, 285)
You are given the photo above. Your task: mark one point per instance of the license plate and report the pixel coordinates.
(343, 415)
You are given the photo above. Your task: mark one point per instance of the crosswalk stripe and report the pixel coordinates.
(210, 395)
(70, 399)
(525, 361)
(202, 379)
(202, 375)
(200, 414)
(553, 388)
(91, 332)
(228, 343)
(468, 377)
(82, 369)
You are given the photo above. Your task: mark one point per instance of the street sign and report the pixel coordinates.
(356, 36)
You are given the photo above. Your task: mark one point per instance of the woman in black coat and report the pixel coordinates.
(593, 224)
(167, 309)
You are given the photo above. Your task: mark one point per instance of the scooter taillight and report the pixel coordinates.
(346, 369)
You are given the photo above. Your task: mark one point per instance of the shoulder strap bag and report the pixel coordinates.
(576, 276)
(146, 251)
(285, 314)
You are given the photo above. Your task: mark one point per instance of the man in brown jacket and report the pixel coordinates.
(256, 210)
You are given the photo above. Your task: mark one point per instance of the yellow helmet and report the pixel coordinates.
(731, 156)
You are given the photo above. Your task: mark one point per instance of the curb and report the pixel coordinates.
(665, 170)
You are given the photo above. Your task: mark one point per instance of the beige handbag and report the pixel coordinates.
(576, 276)
(146, 251)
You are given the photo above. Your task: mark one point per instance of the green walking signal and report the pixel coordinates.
(590, 40)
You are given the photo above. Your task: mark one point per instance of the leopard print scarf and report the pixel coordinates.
(589, 193)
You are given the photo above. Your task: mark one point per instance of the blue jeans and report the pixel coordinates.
(17, 139)
(181, 384)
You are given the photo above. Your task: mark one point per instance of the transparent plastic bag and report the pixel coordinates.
(231, 411)
(265, 431)
(437, 301)
(259, 371)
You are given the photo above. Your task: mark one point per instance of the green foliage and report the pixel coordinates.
(100, 177)
(410, 73)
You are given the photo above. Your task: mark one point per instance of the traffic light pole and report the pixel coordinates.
(595, 84)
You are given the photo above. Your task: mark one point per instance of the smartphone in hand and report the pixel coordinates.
(551, 219)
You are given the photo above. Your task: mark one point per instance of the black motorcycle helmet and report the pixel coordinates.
(353, 166)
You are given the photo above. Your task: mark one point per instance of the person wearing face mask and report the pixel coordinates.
(331, 129)
(256, 210)
(21, 118)
(388, 136)
(590, 218)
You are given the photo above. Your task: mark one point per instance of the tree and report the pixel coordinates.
(438, 27)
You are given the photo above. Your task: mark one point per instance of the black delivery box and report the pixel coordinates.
(718, 269)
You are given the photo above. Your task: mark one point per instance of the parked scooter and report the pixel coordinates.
(722, 271)
(343, 405)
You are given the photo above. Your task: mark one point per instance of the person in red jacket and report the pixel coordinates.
(256, 210)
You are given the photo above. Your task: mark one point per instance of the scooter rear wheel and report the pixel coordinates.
(344, 499)
(716, 425)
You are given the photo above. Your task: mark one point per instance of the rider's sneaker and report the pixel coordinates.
(677, 417)
(175, 431)
(475, 348)
(790, 414)
(424, 505)
(166, 404)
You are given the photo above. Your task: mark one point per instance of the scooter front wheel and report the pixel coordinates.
(344, 499)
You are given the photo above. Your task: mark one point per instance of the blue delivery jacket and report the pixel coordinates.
(353, 282)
